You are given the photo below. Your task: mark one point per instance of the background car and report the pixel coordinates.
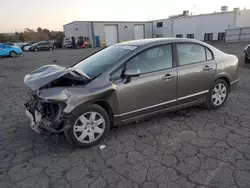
(9, 43)
(27, 48)
(247, 53)
(7, 50)
(27, 44)
(41, 46)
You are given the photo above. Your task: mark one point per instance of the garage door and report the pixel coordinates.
(111, 34)
(139, 31)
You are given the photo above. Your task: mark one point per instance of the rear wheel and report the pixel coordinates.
(217, 95)
(246, 60)
(13, 54)
(89, 126)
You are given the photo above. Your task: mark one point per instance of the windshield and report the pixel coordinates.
(101, 61)
(34, 44)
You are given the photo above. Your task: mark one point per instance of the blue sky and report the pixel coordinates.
(52, 14)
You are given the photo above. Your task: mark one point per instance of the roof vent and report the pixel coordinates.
(224, 8)
(186, 13)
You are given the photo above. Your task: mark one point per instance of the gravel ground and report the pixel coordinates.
(191, 148)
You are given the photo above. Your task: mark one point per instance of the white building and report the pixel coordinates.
(108, 32)
(202, 27)
(205, 27)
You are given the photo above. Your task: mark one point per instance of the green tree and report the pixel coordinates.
(20, 36)
(39, 30)
(47, 32)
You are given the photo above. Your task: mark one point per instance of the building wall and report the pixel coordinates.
(165, 30)
(197, 25)
(125, 30)
(78, 28)
(243, 18)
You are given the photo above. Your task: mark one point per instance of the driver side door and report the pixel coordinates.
(3, 51)
(154, 90)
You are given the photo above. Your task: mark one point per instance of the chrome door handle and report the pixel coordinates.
(168, 77)
(207, 68)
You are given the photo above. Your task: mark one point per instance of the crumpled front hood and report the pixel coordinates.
(45, 75)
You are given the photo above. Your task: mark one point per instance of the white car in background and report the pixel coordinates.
(27, 48)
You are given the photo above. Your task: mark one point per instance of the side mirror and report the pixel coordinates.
(132, 73)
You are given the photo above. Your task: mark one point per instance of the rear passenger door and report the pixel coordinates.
(42, 46)
(196, 69)
(46, 46)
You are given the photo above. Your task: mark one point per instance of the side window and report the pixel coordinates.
(209, 54)
(118, 74)
(190, 53)
(153, 59)
(155, 52)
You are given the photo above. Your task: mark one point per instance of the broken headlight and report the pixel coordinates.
(61, 96)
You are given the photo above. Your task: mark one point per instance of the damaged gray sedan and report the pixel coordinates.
(127, 82)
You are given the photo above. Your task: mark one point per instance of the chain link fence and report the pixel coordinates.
(238, 34)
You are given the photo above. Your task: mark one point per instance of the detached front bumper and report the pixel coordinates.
(43, 120)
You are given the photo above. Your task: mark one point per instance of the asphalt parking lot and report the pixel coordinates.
(191, 148)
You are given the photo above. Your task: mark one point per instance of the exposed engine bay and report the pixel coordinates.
(47, 100)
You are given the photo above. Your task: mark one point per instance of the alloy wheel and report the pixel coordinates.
(12, 54)
(89, 127)
(219, 94)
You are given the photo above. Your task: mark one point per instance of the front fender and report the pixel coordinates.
(79, 99)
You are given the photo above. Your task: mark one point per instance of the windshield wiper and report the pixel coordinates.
(78, 71)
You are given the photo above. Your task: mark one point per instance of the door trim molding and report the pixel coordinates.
(193, 95)
(145, 108)
(181, 98)
(234, 81)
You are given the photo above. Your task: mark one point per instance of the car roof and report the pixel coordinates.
(142, 42)
(5, 44)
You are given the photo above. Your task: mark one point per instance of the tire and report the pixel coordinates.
(36, 50)
(215, 101)
(246, 60)
(85, 127)
(50, 49)
(13, 54)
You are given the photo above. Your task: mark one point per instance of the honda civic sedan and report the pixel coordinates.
(127, 82)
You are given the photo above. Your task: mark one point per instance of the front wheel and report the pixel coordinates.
(217, 95)
(89, 126)
(36, 50)
(13, 54)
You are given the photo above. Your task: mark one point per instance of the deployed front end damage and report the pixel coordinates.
(49, 95)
